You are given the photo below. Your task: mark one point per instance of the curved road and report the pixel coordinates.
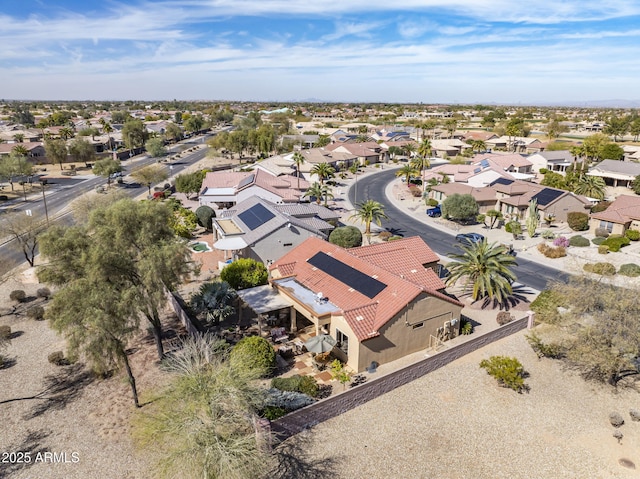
(529, 273)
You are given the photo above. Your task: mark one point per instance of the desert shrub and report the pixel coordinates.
(385, 235)
(5, 333)
(635, 415)
(415, 191)
(579, 241)
(598, 240)
(629, 269)
(245, 273)
(36, 312)
(548, 234)
(616, 419)
(561, 241)
(509, 372)
(578, 221)
(633, 235)
(255, 355)
(602, 232)
(603, 205)
(43, 293)
(302, 384)
(504, 317)
(273, 412)
(603, 249)
(546, 305)
(346, 237)
(57, 358)
(542, 349)
(615, 243)
(466, 327)
(395, 238)
(551, 252)
(605, 269)
(432, 202)
(17, 295)
(205, 215)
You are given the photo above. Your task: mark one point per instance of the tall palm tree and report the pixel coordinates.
(368, 212)
(591, 186)
(421, 162)
(20, 150)
(298, 160)
(314, 191)
(19, 137)
(107, 128)
(409, 149)
(66, 133)
(323, 171)
(478, 145)
(407, 171)
(486, 269)
(326, 191)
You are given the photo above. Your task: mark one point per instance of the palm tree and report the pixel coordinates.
(19, 137)
(591, 186)
(20, 150)
(409, 149)
(298, 160)
(314, 191)
(485, 267)
(214, 299)
(421, 162)
(107, 128)
(368, 212)
(327, 193)
(478, 145)
(66, 133)
(394, 151)
(323, 171)
(407, 171)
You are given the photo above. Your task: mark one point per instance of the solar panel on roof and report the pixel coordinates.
(484, 164)
(502, 181)
(246, 181)
(477, 170)
(346, 274)
(546, 196)
(255, 216)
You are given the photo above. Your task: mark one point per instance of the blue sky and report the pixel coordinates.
(431, 51)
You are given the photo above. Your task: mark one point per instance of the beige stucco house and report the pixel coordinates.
(621, 215)
(380, 302)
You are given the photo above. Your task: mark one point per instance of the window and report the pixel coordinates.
(343, 341)
(607, 225)
(418, 325)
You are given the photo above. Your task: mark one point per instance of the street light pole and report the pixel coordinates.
(44, 198)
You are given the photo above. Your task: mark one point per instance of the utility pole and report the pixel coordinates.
(44, 198)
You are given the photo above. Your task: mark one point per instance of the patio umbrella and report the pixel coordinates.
(320, 344)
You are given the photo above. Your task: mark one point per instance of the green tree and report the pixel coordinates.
(155, 147)
(134, 134)
(22, 115)
(315, 191)
(82, 150)
(106, 168)
(128, 244)
(323, 171)
(346, 237)
(610, 151)
(323, 140)
(369, 212)
(19, 137)
(173, 132)
(616, 126)
(407, 171)
(485, 269)
(23, 231)
(514, 227)
(394, 151)
(193, 124)
(460, 207)
(108, 129)
(189, 183)
(56, 151)
(591, 186)
(554, 180)
(508, 371)
(409, 149)
(215, 301)
(205, 215)
(592, 146)
(554, 129)
(14, 165)
(298, 160)
(421, 162)
(494, 216)
(66, 133)
(635, 185)
(150, 175)
(245, 273)
(253, 355)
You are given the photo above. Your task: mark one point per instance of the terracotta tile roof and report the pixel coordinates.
(413, 245)
(285, 186)
(503, 161)
(624, 209)
(223, 179)
(363, 317)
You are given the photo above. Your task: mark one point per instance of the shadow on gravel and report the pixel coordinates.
(294, 462)
(30, 447)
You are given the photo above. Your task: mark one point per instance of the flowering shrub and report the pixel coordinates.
(561, 241)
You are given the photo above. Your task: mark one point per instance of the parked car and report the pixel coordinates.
(469, 238)
(434, 212)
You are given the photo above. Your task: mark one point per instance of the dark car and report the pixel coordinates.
(469, 238)
(434, 212)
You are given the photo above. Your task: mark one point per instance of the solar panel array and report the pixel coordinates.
(255, 216)
(546, 196)
(502, 181)
(484, 164)
(346, 274)
(246, 181)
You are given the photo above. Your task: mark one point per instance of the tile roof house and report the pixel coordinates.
(616, 173)
(557, 161)
(485, 197)
(474, 175)
(365, 152)
(34, 150)
(256, 228)
(223, 188)
(621, 215)
(514, 163)
(380, 302)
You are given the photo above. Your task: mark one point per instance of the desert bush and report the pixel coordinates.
(273, 412)
(603, 205)
(635, 415)
(605, 269)
(5, 333)
(561, 241)
(616, 419)
(57, 358)
(302, 384)
(44, 293)
(509, 372)
(579, 241)
(548, 234)
(395, 238)
(578, 221)
(546, 305)
(346, 236)
(385, 235)
(629, 269)
(603, 249)
(542, 349)
(615, 243)
(602, 232)
(633, 235)
(551, 252)
(432, 202)
(415, 191)
(466, 327)
(598, 240)
(17, 295)
(255, 355)
(36, 312)
(504, 317)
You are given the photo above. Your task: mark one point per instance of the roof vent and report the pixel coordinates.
(359, 318)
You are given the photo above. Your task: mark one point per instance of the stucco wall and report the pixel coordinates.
(565, 205)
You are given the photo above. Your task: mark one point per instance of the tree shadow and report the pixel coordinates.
(517, 297)
(293, 461)
(8, 362)
(16, 334)
(32, 444)
(61, 389)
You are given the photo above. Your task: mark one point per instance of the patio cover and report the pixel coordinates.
(231, 243)
(263, 299)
